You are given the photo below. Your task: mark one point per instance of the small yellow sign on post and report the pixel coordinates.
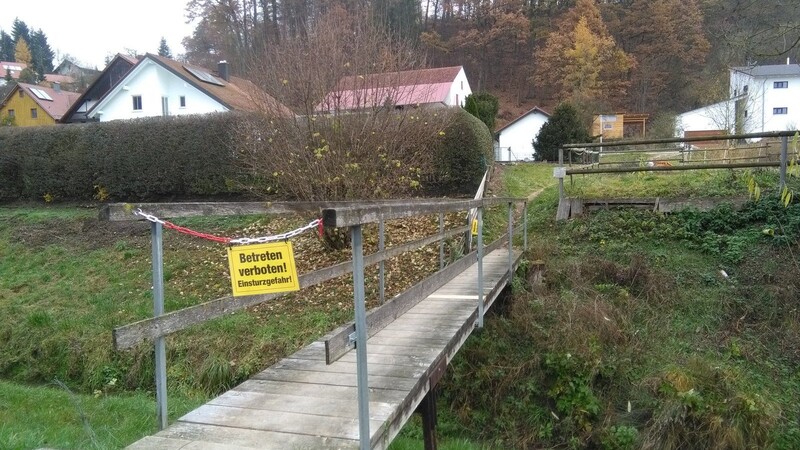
(263, 269)
(474, 227)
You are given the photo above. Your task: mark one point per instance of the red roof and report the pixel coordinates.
(410, 87)
(55, 108)
(14, 68)
(56, 78)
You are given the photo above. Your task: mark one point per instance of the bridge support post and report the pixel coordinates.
(361, 337)
(427, 409)
(156, 231)
(480, 267)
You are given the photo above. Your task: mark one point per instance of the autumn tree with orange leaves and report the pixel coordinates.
(581, 63)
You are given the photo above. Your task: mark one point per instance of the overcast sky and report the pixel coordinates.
(89, 30)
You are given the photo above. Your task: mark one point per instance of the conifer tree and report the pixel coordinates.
(163, 48)
(20, 30)
(563, 127)
(41, 54)
(484, 106)
(6, 47)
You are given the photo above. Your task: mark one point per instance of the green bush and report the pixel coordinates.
(463, 154)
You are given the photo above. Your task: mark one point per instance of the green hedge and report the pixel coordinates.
(179, 157)
(127, 160)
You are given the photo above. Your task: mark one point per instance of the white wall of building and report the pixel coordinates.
(459, 90)
(719, 116)
(515, 142)
(762, 99)
(152, 82)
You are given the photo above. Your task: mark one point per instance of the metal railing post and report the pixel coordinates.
(784, 160)
(510, 241)
(480, 267)
(561, 180)
(441, 241)
(525, 226)
(359, 301)
(158, 309)
(381, 267)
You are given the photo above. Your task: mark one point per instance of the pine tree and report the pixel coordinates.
(6, 47)
(563, 127)
(41, 54)
(163, 49)
(20, 30)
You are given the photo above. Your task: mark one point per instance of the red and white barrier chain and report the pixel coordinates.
(317, 223)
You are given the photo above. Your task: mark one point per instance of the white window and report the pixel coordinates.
(183, 101)
(783, 110)
(780, 85)
(137, 102)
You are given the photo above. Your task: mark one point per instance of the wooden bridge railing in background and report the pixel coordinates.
(596, 148)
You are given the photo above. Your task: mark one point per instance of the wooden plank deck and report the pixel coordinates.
(303, 403)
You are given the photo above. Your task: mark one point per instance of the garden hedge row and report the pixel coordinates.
(175, 157)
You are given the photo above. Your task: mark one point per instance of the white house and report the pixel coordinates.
(159, 86)
(761, 99)
(439, 87)
(514, 141)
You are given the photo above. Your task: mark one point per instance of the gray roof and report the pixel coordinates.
(770, 71)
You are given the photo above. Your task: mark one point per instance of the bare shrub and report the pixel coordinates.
(361, 141)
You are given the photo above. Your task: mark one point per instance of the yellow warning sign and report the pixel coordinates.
(474, 227)
(263, 269)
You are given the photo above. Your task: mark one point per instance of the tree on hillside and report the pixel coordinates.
(484, 106)
(22, 53)
(667, 38)
(399, 17)
(580, 61)
(163, 48)
(20, 30)
(563, 127)
(6, 47)
(492, 43)
(41, 54)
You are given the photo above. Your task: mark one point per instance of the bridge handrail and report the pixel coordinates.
(348, 216)
(129, 335)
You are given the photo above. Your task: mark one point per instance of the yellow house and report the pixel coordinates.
(28, 105)
(617, 126)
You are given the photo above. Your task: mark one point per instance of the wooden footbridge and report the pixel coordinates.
(357, 386)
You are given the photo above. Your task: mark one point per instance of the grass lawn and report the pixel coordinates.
(53, 416)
